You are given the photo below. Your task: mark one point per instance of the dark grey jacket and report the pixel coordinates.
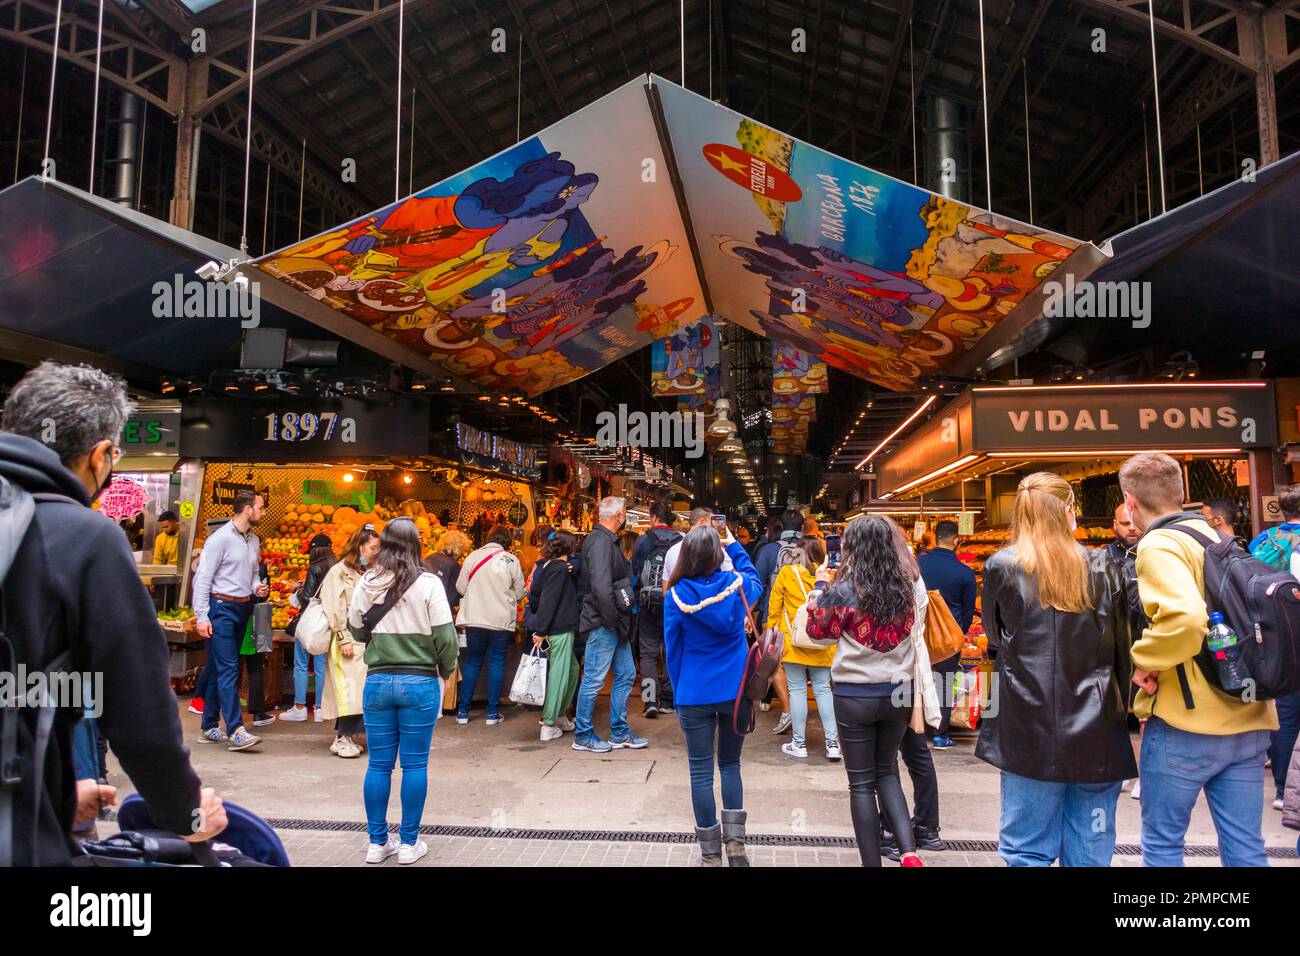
(606, 584)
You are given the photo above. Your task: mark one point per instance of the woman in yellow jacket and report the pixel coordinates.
(793, 584)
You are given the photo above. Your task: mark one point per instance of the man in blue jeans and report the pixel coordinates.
(224, 586)
(1197, 737)
(606, 623)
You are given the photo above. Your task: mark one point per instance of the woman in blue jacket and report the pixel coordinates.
(704, 642)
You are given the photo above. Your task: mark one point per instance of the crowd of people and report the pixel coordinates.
(682, 614)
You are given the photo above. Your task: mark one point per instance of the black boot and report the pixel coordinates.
(733, 835)
(710, 840)
(927, 838)
(889, 845)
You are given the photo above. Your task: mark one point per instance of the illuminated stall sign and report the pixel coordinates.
(493, 453)
(152, 431)
(304, 429)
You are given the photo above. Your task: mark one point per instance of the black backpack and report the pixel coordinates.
(18, 766)
(1260, 603)
(650, 592)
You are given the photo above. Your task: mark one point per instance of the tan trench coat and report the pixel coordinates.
(346, 676)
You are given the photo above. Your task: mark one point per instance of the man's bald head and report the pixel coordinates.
(1125, 530)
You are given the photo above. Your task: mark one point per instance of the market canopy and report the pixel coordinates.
(645, 211)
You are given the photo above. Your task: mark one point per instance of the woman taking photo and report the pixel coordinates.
(554, 595)
(492, 584)
(320, 559)
(705, 650)
(875, 604)
(345, 669)
(410, 650)
(792, 587)
(1056, 613)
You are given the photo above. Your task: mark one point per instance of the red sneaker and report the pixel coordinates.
(912, 861)
(196, 706)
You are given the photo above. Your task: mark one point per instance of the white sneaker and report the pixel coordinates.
(1137, 790)
(462, 720)
(1277, 803)
(317, 716)
(334, 745)
(409, 854)
(379, 852)
(551, 733)
(833, 752)
(347, 747)
(295, 713)
(565, 724)
(790, 750)
(783, 724)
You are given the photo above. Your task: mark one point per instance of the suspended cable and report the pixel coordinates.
(266, 207)
(519, 90)
(302, 181)
(54, 68)
(397, 150)
(1029, 163)
(139, 166)
(410, 162)
(1155, 81)
(1146, 158)
(94, 112)
(681, 30)
(248, 131)
(1200, 166)
(22, 101)
(911, 66)
(710, 49)
(984, 94)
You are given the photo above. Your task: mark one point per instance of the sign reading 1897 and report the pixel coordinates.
(292, 426)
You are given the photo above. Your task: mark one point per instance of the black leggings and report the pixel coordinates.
(871, 731)
(348, 725)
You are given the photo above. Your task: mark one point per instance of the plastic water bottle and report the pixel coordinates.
(1226, 647)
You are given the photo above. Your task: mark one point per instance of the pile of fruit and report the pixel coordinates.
(180, 619)
(285, 553)
(305, 519)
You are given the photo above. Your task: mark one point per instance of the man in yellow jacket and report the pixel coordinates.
(1197, 737)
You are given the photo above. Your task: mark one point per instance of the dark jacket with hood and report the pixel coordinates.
(554, 598)
(1061, 695)
(704, 631)
(74, 585)
(605, 583)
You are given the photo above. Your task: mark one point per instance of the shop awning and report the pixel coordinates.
(644, 211)
(80, 272)
(1222, 273)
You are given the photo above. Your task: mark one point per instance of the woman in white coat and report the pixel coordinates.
(345, 665)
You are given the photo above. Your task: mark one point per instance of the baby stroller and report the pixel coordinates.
(247, 841)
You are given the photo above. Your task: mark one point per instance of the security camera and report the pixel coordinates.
(209, 270)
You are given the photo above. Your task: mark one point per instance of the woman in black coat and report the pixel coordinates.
(553, 610)
(1056, 725)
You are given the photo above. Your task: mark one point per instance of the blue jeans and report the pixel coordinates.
(481, 642)
(300, 659)
(1042, 822)
(1176, 766)
(221, 673)
(1282, 741)
(797, 677)
(400, 712)
(604, 648)
(701, 724)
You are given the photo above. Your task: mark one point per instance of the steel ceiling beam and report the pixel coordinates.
(539, 58)
(1185, 29)
(895, 58)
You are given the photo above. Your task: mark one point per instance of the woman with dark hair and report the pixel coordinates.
(491, 583)
(874, 607)
(345, 669)
(410, 650)
(705, 649)
(554, 594)
(320, 559)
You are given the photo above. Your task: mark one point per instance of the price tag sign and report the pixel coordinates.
(918, 531)
(966, 523)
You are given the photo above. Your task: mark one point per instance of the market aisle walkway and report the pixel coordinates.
(494, 778)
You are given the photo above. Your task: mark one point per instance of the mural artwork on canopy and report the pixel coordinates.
(531, 269)
(683, 363)
(875, 276)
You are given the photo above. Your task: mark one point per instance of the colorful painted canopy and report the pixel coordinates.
(569, 250)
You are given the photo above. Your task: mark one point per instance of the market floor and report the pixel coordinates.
(488, 783)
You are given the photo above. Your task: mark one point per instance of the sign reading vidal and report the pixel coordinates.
(533, 268)
(1225, 416)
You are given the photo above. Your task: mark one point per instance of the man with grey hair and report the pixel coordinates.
(697, 518)
(73, 594)
(605, 580)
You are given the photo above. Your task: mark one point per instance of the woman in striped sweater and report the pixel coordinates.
(400, 612)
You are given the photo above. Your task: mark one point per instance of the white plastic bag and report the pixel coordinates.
(313, 630)
(530, 680)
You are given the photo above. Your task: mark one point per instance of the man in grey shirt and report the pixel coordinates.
(224, 587)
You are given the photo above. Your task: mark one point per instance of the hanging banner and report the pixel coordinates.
(531, 269)
(355, 494)
(799, 372)
(682, 364)
(872, 275)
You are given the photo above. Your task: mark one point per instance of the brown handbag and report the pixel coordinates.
(943, 638)
(760, 667)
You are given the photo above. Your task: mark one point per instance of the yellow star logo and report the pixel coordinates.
(725, 162)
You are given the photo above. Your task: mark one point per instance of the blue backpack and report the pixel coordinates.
(1275, 546)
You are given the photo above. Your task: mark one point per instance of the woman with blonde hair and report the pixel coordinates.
(345, 668)
(444, 561)
(790, 590)
(1055, 611)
